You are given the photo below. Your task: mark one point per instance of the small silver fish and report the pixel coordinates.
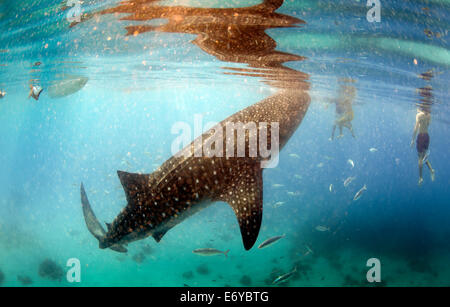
(348, 181)
(320, 165)
(373, 149)
(308, 250)
(277, 185)
(350, 161)
(294, 156)
(284, 277)
(278, 204)
(331, 188)
(270, 241)
(322, 228)
(209, 252)
(359, 193)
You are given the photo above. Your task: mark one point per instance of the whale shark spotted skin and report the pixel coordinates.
(184, 185)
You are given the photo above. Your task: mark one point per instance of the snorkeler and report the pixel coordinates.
(423, 119)
(344, 110)
(35, 91)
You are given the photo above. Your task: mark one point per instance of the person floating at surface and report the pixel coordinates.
(344, 110)
(35, 91)
(2, 94)
(423, 119)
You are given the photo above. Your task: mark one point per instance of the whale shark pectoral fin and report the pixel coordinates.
(135, 186)
(245, 196)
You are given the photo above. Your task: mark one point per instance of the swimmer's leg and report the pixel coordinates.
(332, 133)
(421, 156)
(350, 127)
(431, 170)
(340, 132)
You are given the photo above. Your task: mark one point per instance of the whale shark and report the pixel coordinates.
(187, 183)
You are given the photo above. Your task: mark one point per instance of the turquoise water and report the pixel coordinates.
(140, 85)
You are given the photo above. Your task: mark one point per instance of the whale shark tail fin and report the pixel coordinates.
(92, 223)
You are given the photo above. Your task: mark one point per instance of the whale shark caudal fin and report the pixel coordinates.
(92, 223)
(245, 196)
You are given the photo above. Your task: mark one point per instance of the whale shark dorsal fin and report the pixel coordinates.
(245, 196)
(135, 186)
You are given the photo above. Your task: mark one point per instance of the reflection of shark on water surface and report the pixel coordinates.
(230, 34)
(187, 183)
